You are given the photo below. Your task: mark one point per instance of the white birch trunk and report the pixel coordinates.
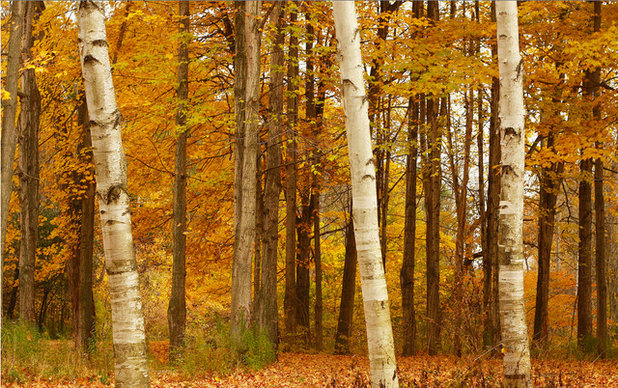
(510, 242)
(131, 368)
(365, 206)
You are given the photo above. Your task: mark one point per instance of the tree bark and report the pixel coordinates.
(362, 170)
(549, 185)
(28, 171)
(406, 275)
(267, 310)
(432, 180)
(247, 104)
(510, 240)
(317, 259)
(131, 369)
(348, 289)
(491, 268)
(177, 307)
(9, 109)
(303, 262)
(290, 183)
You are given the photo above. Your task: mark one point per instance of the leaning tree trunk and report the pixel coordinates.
(177, 308)
(131, 367)
(28, 173)
(9, 109)
(247, 104)
(510, 239)
(365, 208)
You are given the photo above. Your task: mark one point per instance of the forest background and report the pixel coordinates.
(409, 52)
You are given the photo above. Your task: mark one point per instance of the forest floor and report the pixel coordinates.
(321, 370)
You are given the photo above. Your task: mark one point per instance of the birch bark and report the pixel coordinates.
(365, 212)
(131, 368)
(510, 222)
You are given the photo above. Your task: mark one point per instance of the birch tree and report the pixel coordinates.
(364, 210)
(131, 368)
(510, 219)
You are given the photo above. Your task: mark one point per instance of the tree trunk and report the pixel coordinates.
(248, 40)
(432, 180)
(348, 289)
(549, 186)
(362, 170)
(317, 258)
(177, 308)
(599, 211)
(28, 172)
(510, 244)
(303, 262)
(267, 311)
(80, 267)
(9, 109)
(491, 268)
(290, 184)
(111, 175)
(406, 275)
(601, 277)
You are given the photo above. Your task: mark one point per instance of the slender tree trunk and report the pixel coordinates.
(259, 228)
(548, 197)
(111, 175)
(510, 244)
(177, 307)
(80, 274)
(28, 172)
(348, 289)
(492, 324)
(409, 237)
(317, 258)
(290, 184)
(267, 312)
(432, 180)
(584, 274)
(601, 277)
(599, 211)
(303, 262)
(9, 109)
(382, 362)
(248, 42)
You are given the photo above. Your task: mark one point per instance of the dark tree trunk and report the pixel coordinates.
(409, 237)
(492, 321)
(432, 180)
(601, 278)
(549, 185)
(29, 172)
(303, 263)
(317, 258)
(290, 301)
(584, 274)
(177, 308)
(267, 306)
(346, 306)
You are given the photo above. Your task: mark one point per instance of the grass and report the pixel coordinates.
(28, 354)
